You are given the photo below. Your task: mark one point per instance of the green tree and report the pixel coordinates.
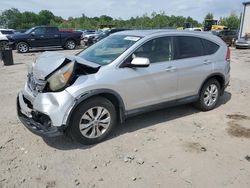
(11, 18)
(232, 21)
(45, 16)
(15, 19)
(209, 16)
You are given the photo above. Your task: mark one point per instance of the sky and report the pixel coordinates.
(125, 9)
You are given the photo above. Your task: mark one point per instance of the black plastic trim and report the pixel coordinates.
(95, 93)
(177, 102)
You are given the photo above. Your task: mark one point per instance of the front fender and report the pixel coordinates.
(93, 93)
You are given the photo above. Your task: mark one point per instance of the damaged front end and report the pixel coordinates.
(53, 72)
(43, 103)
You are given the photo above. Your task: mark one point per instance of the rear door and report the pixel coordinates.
(192, 64)
(156, 83)
(52, 36)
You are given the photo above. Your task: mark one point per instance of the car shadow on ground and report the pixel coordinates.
(133, 124)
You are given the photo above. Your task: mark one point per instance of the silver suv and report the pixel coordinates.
(127, 73)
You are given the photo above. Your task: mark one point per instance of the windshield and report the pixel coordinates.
(108, 49)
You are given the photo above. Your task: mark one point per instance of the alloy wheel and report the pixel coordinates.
(23, 48)
(71, 45)
(211, 95)
(95, 122)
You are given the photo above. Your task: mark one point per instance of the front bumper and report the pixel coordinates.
(37, 127)
(44, 114)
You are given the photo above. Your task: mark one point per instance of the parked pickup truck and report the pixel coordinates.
(43, 36)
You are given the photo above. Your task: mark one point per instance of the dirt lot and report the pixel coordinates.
(175, 147)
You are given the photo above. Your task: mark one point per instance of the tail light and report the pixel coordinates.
(228, 56)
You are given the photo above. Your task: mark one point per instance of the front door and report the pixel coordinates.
(37, 37)
(154, 84)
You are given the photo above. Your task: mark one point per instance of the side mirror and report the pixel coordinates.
(140, 62)
(33, 33)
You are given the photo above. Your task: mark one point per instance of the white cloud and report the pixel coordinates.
(127, 8)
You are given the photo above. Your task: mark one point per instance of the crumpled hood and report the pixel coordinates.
(50, 61)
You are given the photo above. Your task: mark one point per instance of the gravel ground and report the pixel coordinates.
(174, 147)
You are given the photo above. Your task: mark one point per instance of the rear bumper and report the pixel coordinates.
(37, 123)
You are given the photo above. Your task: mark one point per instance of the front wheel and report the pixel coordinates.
(209, 95)
(22, 47)
(4, 44)
(92, 121)
(70, 44)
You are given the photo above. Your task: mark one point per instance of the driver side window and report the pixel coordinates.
(156, 50)
(40, 31)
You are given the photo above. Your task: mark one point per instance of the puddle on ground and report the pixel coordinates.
(239, 126)
(238, 117)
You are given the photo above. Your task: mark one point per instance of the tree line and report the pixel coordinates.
(13, 18)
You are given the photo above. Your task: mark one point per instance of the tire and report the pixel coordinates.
(4, 44)
(22, 47)
(84, 129)
(70, 45)
(209, 95)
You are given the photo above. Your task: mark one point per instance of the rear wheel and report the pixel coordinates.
(70, 44)
(93, 120)
(209, 95)
(22, 47)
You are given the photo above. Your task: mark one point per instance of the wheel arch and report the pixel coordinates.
(67, 39)
(218, 76)
(17, 42)
(111, 95)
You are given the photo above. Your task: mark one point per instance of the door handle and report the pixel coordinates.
(55, 35)
(207, 62)
(170, 69)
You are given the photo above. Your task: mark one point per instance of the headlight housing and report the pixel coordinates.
(60, 78)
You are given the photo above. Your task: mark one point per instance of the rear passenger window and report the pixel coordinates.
(209, 47)
(52, 30)
(187, 47)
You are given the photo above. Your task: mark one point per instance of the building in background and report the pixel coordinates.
(245, 21)
(244, 34)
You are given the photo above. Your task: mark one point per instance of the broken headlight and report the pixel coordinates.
(60, 78)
